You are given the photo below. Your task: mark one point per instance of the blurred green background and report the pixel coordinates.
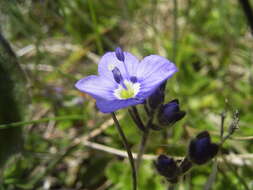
(58, 42)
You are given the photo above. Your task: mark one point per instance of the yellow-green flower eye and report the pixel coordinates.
(130, 91)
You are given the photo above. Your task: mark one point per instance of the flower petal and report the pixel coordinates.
(97, 87)
(152, 71)
(111, 106)
(109, 60)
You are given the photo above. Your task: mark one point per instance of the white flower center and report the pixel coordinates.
(130, 91)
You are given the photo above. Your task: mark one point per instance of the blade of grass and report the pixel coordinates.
(95, 27)
(59, 118)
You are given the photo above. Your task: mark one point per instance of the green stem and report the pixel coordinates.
(127, 147)
(138, 118)
(144, 141)
(60, 118)
(142, 148)
(136, 121)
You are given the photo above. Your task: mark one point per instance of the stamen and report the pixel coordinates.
(121, 57)
(117, 75)
(119, 54)
(133, 79)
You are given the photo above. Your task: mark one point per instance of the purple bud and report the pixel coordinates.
(117, 75)
(119, 54)
(201, 150)
(167, 167)
(170, 113)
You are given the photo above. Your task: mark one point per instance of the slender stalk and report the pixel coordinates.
(144, 141)
(138, 118)
(142, 148)
(126, 144)
(136, 121)
(232, 128)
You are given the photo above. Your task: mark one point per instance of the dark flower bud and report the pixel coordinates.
(117, 75)
(201, 150)
(119, 54)
(170, 113)
(185, 165)
(156, 98)
(167, 167)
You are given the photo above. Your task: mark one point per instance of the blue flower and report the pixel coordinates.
(123, 81)
(201, 150)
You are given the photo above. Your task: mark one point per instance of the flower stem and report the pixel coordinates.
(138, 118)
(136, 121)
(142, 148)
(144, 141)
(126, 144)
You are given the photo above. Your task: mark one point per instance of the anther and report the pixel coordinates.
(117, 75)
(133, 79)
(119, 54)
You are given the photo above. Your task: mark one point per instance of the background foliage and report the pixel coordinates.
(58, 42)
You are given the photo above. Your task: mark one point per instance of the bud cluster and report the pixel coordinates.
(200, 151)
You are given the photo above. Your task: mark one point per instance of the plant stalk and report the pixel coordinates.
(127, 147)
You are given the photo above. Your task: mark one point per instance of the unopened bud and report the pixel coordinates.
(167, 167)
(170, 113)
(201, 150)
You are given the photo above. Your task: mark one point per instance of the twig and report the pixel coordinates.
(115, 151)
(232, 128)
(235, 159)
(127, 147)
(242, 138)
